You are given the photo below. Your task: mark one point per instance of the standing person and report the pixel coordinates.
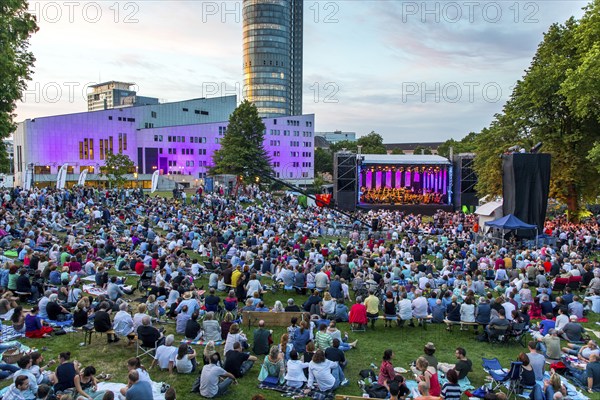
(210, 384)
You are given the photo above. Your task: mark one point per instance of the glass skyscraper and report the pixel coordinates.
(273, 56)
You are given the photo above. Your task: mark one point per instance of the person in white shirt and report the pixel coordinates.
(165, 355)
(295, 371)
(123, 323)
(323, 374)
(561, 320)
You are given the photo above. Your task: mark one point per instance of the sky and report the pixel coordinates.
(412, 71)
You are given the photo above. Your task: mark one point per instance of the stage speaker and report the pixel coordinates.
(345, 180)
(525, 186)
(375, 224)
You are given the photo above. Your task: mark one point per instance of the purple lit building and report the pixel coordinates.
(177, 138)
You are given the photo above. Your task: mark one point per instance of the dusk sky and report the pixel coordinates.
(411, 71)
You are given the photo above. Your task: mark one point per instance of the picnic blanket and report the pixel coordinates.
(93, 290)
(289, 391)
(202, 342)
(115, 387)
(9, 333)
(465, 383)
(572, 391)
(59, 324)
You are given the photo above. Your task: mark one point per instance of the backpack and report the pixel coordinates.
(377, 391)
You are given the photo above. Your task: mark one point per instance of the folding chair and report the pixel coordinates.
(141, 350)
(491, 364)
(498, 334)
(517, 333)
(513, 377)
(575, 282)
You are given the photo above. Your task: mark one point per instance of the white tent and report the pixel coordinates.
(487, 212)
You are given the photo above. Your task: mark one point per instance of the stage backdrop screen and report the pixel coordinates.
(525, 186)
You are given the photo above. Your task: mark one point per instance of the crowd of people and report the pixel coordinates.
(416, 269)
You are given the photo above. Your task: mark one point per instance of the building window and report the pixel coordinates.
(81, 150)
(91, 149)
(110, 117)
(204, 112)
(185, 110)
(101, 149)
(153, 114)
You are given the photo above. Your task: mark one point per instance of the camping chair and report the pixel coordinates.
(491, 364)
(513, 377)
(498, 334)
(141, 350)
(517, 333)
(145, 281)
(575, 282)
(560, 284)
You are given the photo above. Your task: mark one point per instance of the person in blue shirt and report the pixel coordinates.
(547, 324)
(137, 389)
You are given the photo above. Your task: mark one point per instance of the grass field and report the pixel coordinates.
(406, 342)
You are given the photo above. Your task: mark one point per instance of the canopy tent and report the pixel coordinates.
(511, 223)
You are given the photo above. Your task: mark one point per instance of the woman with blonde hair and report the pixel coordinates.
(209, 350)
(427, 374)
(327, 305)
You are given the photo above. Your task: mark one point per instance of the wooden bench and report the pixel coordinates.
(450, 324)
(273, 318)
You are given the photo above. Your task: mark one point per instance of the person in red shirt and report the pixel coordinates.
(139, 266)
(358, 313)
(386, 370)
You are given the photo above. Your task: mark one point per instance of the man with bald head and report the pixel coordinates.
(149, 335)
(262, 338)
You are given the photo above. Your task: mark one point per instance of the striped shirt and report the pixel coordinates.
(451, 391)
(323, 340)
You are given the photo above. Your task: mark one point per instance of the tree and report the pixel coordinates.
(371, 144)
(242, 152)
(323, 161)
(397, 151)
(116, 167)
(466, 145)
(544, 108)
(16, 26)
(422, 150)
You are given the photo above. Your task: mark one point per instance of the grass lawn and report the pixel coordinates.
(406, 342)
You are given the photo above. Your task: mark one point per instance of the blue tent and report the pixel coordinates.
(510, 222)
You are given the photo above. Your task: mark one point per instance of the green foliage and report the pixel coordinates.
(371, 144)
(397, 152)
(422, 150)
(466, 145)
(242, 152)
(546, 106)
(116, 167)
(16, 26)
(323, 161)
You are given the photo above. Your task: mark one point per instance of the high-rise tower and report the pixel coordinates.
(273, 56)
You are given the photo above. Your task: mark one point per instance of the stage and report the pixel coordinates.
(423, 209)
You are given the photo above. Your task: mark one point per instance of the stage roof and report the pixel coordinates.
(405, 159)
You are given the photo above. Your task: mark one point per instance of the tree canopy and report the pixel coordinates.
(554, 103)
(16, 63)
(242, 152)
(116, 167)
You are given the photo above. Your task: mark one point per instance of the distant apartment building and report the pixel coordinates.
(113, 94)
(337, 136)
(412, 148)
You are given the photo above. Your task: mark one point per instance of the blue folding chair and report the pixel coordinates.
(513, 377)
(491, 364)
